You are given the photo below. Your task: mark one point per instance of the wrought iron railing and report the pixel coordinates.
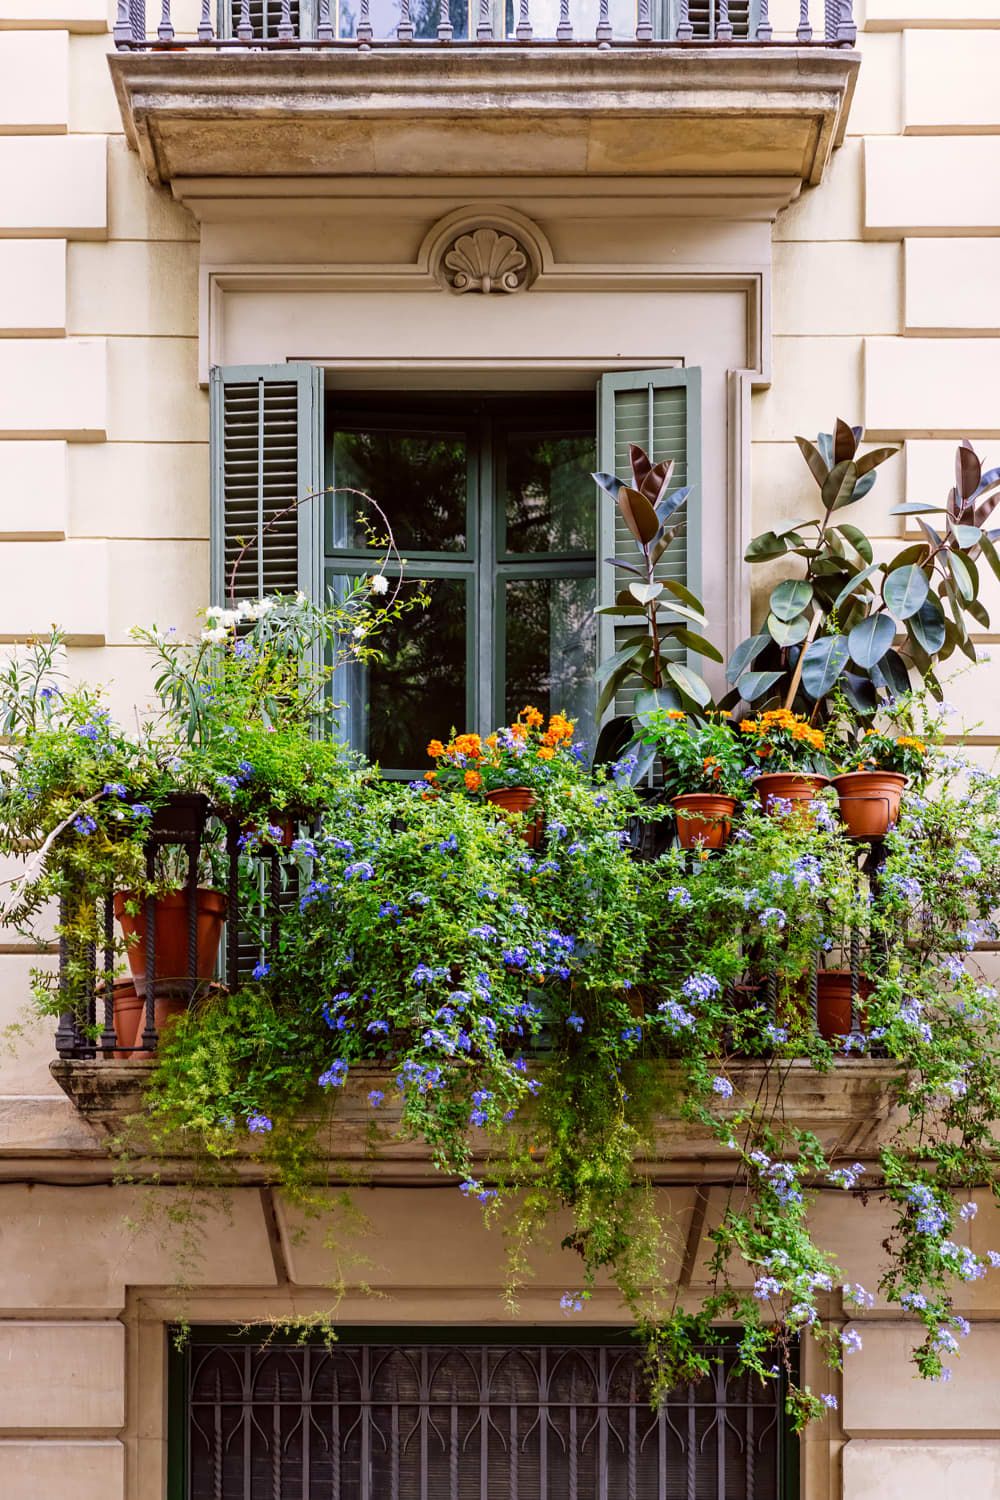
(472, 1422)
(306, 24)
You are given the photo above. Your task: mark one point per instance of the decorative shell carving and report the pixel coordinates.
(485, 261)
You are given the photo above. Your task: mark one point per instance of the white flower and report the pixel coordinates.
(300, 598)
(223, 618)
(358, 632)
(256, 609)
(380, 584)
(215, 635)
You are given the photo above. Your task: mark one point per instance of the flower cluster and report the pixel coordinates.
(784, 741)
(527, 753)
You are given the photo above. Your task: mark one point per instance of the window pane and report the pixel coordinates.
(384, 17)
(551, 646)
(419, 480)
(550, 502)
(418, 689)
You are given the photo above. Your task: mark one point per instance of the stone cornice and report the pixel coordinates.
(535, 110)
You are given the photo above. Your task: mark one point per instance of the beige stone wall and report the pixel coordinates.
(886, 309)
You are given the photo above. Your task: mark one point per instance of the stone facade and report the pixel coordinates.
(873, 295)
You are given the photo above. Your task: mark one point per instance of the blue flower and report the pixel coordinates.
(389, 909)
(851, 1341)
(678, 896)
(722, 1087)
(377, 1026)
(335, 1075)
(259, 1124)
(676, 1018)
(571, 1302)
(304, 846)
(360, 870)
(828, 1400)
(87, 731)
(245, 769)
(344, 845)
(140, 810)
(417, 898)
(575, 1023)
(449, 845)
(375, 1098)
(847, 1177)
(228, 783)
(423, 974)
(968, 862)
(632, 1034)
(115, 789)
(701, 986)
(486, 932)
(85, 824)
(261, 969)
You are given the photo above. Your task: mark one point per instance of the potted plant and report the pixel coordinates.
(875, 771)
(704, 764)
(510, 767)
(788, 753)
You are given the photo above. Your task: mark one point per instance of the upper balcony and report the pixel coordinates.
(579, 88)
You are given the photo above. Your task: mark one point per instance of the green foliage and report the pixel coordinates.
(698, 755)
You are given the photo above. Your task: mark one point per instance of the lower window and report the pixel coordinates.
(428, 1420)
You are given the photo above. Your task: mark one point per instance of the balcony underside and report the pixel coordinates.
(850, 1109)
(627, 111)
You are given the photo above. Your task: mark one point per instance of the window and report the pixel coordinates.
(493, 506)
(491, 503)
(478, 1419)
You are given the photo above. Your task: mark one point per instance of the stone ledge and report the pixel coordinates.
(539, 110)
(850, 1109)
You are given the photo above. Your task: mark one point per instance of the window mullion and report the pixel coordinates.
(485, 661)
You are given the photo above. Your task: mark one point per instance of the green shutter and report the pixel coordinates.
(267, 454)
(661, 411)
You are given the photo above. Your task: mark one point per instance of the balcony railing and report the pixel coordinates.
(604, 24)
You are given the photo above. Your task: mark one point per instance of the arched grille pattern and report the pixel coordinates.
(470, 1422)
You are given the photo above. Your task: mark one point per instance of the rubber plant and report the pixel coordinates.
(846, 622)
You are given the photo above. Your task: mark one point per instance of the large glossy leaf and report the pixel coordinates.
(690, 684)
(790, 598)
(822, 663)
(869, 641)
(635, 650)
(612, 685)
(968, 470)
(963, 575)
(788, 632)
(754, 685)
(860, 490)
(904, 591)
(696, 643)
(671, 607)
(869, 461)
(764, 547)
(610, 483)
(857, 582)
(745, 655)
(818, 467)
(974, 608)
(629, 567)
(653, 700)
(845, 441)
(859, 692)
(857, 539)
(989, 551)
(685, 595)
(639, 515)
(927, 625)
(787, 527)
(666, 506)
(915, 508)
(893, 668)
(613, 739)
(645, 593)
(838, 488)
(967, 536)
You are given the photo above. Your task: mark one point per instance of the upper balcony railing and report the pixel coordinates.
(309, 24)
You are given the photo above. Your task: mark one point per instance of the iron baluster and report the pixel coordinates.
(847, 30)
(604, 32)
(512, 1455)
(275, 894)
(691, 1447)
(123, 33)
(484, 28)
(814, 990)
(855, 978)
(523, 31)
(764, 32)
(192, 921)
(165, 30)
(633, 1488)
(644, 22)
(724, 26)
(324, 26)
(108, 1037)
(286, 31)
(205, 31)
(217, 1444)
(445, 30)
(66, 1031)
(364, 33)
(564, 30)
(750, 1445)
(233, 904)
(244, 32)
(685, 30)
(805, 31)
(404, 31)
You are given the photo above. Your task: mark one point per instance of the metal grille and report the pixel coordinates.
(470, 1422)
(260, 457)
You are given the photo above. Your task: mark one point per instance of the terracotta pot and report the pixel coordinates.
(519, 800)
(130, 1017)
(833, 1002)
(869, 801)
(172, 937)
(703, 819)
(788, 786)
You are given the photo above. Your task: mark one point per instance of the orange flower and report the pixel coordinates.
(531, 716)
(519, 731)
(473, 781)
(546, 752)
(434, 749)
(492, 740)
(468, 744)
(430, 776)
(676, 713)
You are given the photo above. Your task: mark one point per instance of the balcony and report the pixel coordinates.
(543, 87)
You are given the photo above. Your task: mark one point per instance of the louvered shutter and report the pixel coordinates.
(266, 436)
(265, 18)
(267, 454)
(661, 411)
(704, 18)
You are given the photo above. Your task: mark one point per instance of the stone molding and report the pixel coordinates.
(538, 110)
